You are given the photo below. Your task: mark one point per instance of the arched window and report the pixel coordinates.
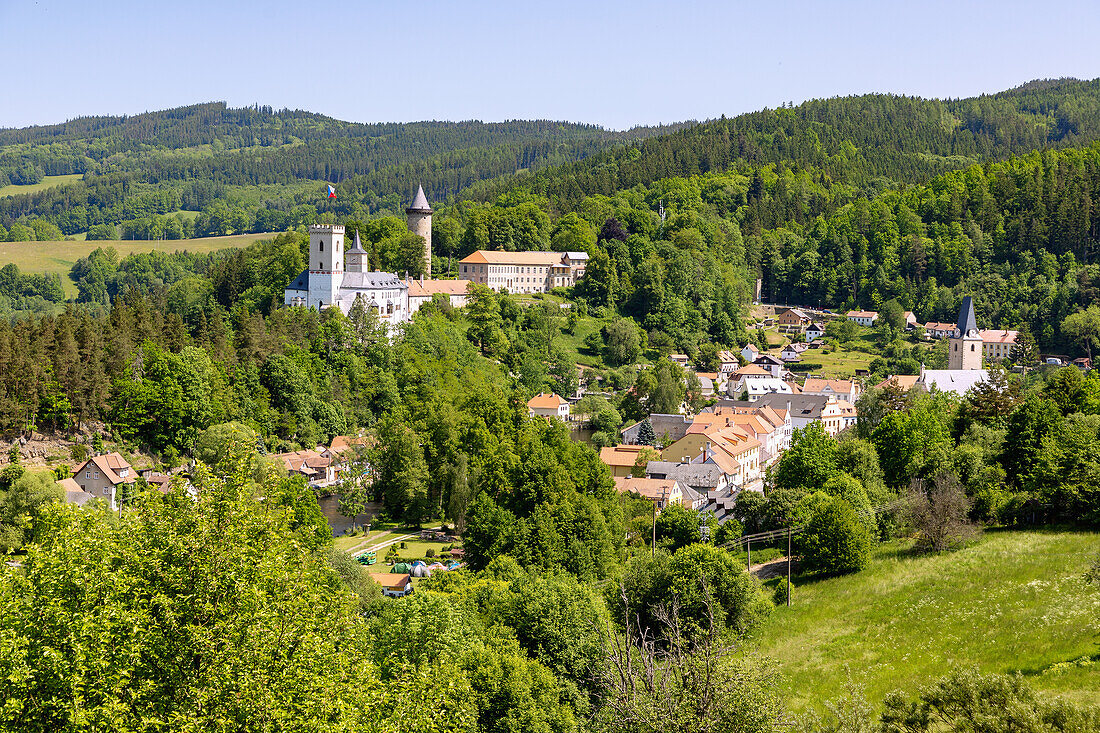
(971, 347)
(322, 245)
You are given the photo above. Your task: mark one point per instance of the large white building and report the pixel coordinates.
(336, 277)
(326, 282)
(524, 272)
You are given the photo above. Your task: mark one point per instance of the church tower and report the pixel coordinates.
(358, 260)
(326, 264)
(420, 222)
(965, 349)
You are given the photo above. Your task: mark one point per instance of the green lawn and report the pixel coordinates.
(1014, 601)
(59, 257)
(46, 182)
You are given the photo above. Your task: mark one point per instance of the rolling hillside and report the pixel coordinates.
(869, 142)
(188, 157)
(1013, 602)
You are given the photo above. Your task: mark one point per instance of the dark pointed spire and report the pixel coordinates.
(357, 248)
(420, 201)
(967, 320)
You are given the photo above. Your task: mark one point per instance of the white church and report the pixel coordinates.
(335, 277)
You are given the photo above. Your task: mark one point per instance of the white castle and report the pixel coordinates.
(335, 277)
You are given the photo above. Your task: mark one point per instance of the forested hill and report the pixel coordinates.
(868, 142)
(196, 152)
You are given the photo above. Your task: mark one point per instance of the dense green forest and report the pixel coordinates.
(259, 164)
(867, 142)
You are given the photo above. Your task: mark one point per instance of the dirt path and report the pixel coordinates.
(772, 568)
(366, 546)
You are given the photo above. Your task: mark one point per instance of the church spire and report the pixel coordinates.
(967, 320)
(357, 248)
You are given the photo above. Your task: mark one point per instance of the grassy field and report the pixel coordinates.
(46, 182)
(1013, 602)
(59, 257)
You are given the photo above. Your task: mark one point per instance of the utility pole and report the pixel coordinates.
(788, 567)
(748, 555)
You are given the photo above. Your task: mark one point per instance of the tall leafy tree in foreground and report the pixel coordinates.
(183, 614)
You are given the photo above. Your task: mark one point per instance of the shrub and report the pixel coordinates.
(429, 553)
(79, 452)
(835, 539)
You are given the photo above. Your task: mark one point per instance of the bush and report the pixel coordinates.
(835, 539)
(79, 452)
(803, 366)
(429, 553)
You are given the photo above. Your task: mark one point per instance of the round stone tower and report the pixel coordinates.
(420, 222)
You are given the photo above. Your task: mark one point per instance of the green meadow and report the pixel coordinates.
(46, 182)
(59, 257)
(1011, 602)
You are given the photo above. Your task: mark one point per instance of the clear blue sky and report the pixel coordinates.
(614, 63)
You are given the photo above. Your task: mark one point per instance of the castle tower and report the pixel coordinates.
(326, 264)
(357, 258)
(965, 348)
(420, 222)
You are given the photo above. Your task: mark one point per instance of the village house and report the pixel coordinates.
(752, 381)
(103, 475)
(728, 362)
(793, 320)
(712, 383)
(770, 364)
(318, 470)
(814, 331)
(845, 389)
(801, 410)
(394, 585)
(661, 492)
(548, 405)
(700, 478)
(621, 458)
(793, 351)
(750, 353)
(524, 272)
(74, 494)
(937, 330)
(910, 320)
(734, 450)
(421, 291)
(863, 318)
(768, 425)
(838, 415)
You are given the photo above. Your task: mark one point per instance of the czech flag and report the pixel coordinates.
(331, 192)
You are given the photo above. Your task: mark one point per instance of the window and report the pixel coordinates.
(96, 474)
(322, 246)
(971, 347)
(106, 490)
(87, 474)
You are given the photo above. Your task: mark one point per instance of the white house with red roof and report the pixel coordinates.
(863, 318)
(548, 405)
